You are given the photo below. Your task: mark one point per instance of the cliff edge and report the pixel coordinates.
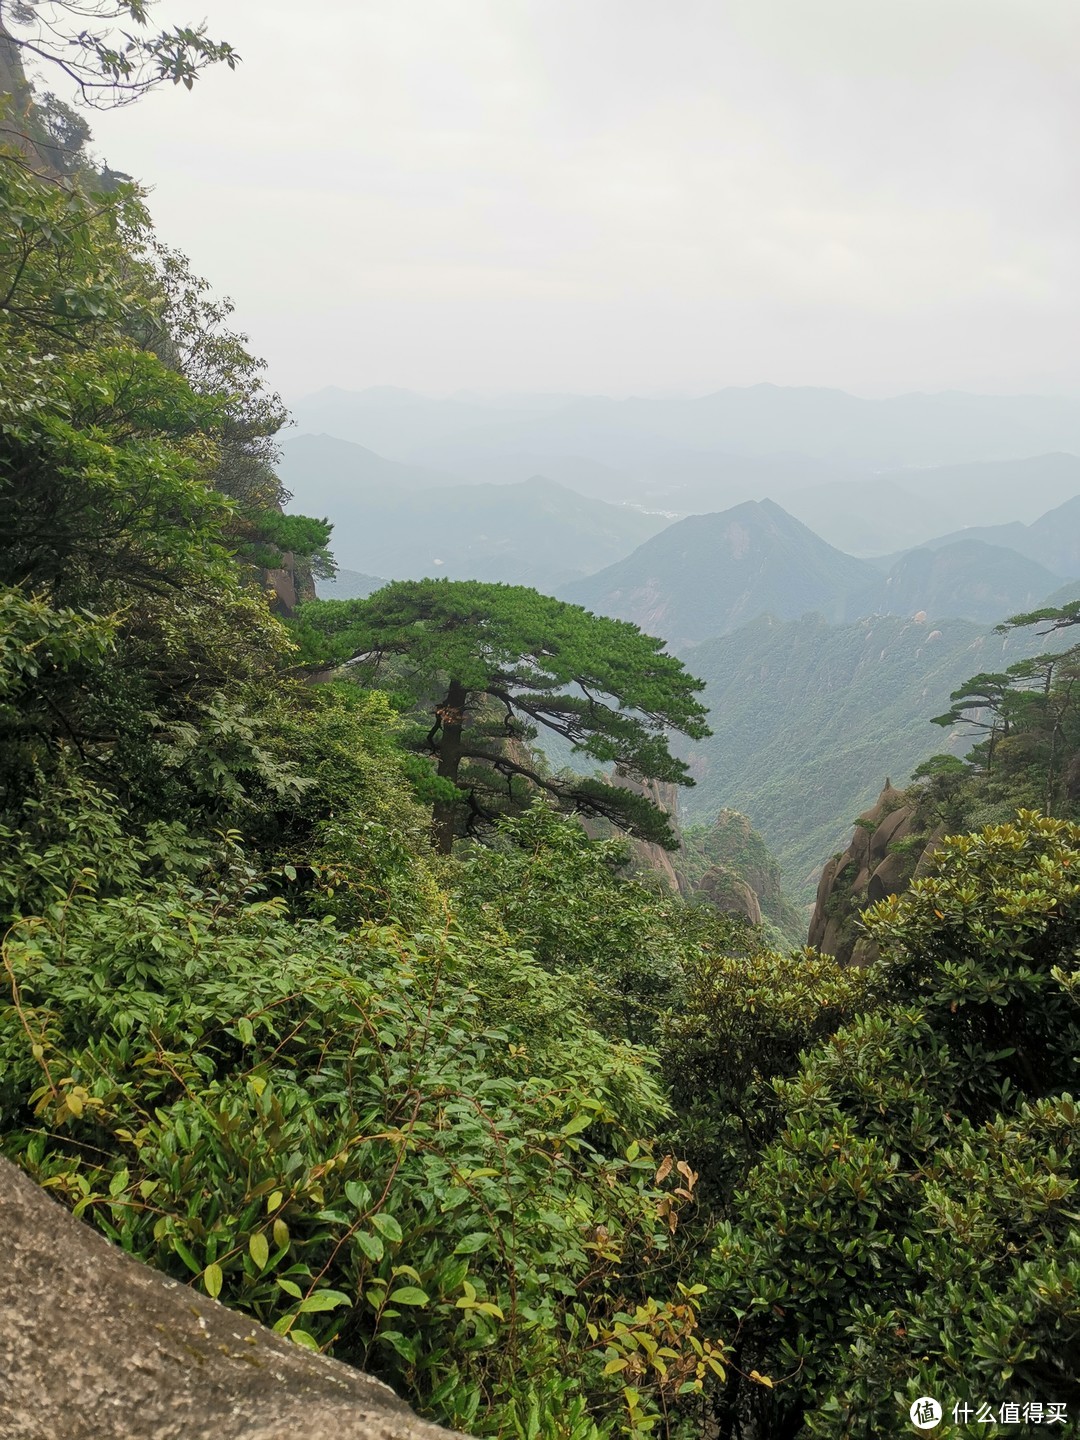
(96, 1346)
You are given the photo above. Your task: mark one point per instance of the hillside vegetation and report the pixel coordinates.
(808, 719)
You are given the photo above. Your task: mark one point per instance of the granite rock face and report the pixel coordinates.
(730, 893)
(885, 854)
(95, 1346)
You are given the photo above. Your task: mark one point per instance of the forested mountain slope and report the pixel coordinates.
(808, 718)
(966, 578)
(707, 574)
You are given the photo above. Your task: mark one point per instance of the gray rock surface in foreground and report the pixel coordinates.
(95, 1346)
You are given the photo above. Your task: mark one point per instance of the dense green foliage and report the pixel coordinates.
(911, 1232)
(490, 665)
(1027, 728)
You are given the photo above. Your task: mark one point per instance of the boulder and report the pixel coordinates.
(95, 1346)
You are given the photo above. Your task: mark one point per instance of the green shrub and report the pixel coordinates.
(336, 1135)
(912, 1229)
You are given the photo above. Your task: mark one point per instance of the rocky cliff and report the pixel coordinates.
(884, 856)
(95, 1346)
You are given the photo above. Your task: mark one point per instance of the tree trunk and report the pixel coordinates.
(451, 718)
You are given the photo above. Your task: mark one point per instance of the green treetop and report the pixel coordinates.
(491, 664)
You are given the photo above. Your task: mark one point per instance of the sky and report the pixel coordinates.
(621, 197)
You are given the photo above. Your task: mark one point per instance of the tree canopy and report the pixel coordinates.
(106, 47)
(497, 664)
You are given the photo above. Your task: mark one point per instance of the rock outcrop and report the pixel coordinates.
(95, 1346)
(726, 890)
(646, 854)
(885, 853)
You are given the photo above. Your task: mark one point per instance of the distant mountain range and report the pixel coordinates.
(325, 469)
(708, 574)
(1053, 540)
(882, 513)
(704, 575)
(965, 578)
(755, 421)
(390, 520)
(348, 585)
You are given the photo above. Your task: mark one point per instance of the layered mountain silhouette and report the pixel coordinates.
(707, 574)
(1053, 540)
(390, 520)
(327, 469)
(966, 578)
(880, 514)
(758, 420)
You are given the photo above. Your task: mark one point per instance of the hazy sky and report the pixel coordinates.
(619, 196)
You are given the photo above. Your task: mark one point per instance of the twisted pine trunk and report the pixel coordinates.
(450, 717)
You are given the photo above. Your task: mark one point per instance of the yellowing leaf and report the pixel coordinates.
(761, 1379)
(212, 1278)
(281, 1233)
(259, 1249)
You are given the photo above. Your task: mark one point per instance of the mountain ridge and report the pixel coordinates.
(774, 563)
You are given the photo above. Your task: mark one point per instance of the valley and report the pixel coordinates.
(823, 665)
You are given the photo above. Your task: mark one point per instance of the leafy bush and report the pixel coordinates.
(336, 1135)
(912, 1230)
